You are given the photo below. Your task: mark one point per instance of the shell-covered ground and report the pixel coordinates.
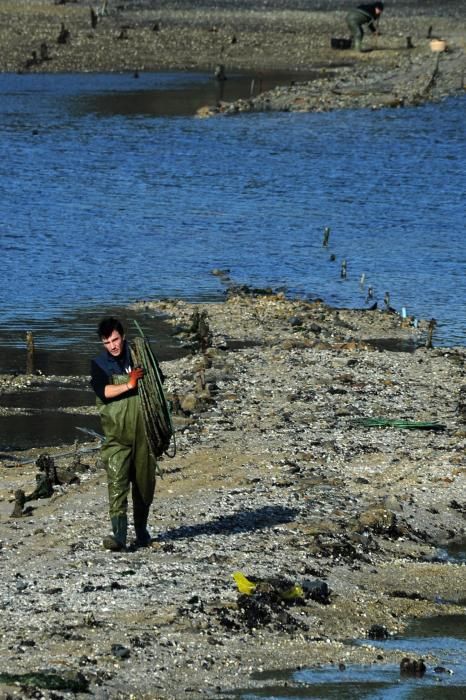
(277, 474)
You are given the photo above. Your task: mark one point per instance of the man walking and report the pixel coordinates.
(363, 14)
(125, 452)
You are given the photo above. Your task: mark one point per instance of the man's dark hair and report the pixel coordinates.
(379, 5)
(108, 325)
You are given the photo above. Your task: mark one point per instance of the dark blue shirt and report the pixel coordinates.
(104, 366)
(370, 13)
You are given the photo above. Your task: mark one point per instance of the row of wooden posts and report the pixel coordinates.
(30, 351)
(370, 290)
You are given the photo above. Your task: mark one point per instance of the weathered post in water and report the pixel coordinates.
(430, 333)
(343, 270)
(220, 77)
(30, 353)
(326, 237)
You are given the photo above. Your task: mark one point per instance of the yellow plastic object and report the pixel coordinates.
(287, 592)
(245, 586)
(295, 592)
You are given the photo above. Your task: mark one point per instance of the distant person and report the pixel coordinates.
(363, 14)
(125, 451)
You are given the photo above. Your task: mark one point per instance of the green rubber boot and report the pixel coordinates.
(117, 541)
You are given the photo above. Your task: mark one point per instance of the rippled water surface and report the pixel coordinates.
(109, 193)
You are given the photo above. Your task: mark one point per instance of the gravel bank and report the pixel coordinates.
(273, 476)
(252, 36)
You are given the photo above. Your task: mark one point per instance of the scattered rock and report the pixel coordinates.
(412, 667)
(120, 651)
(378, 632)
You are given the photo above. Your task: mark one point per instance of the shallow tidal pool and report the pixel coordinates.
(442, 637)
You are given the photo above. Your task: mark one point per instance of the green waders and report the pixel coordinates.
(128, 462)
(355, 19)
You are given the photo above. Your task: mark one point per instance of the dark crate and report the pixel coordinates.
(336, 43)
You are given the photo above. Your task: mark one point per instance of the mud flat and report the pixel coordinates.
(241, 35)
(276, 474)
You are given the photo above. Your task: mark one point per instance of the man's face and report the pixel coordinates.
(114, 343)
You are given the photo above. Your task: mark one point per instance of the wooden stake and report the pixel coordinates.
(430, 333)
(30, 353)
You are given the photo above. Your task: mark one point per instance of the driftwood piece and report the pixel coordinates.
(94, 18)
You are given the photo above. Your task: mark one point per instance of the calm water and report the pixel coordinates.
(444, 637)
(106, 197)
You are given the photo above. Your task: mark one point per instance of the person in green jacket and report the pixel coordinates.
(126, 453)
(363, 14)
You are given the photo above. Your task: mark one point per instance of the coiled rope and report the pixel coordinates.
(155, 408)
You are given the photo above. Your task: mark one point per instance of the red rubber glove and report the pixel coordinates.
(134, 376)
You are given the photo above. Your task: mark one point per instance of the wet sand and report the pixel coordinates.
(274, 476)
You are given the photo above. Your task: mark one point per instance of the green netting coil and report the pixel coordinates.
(398, 423)
(155, 408)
